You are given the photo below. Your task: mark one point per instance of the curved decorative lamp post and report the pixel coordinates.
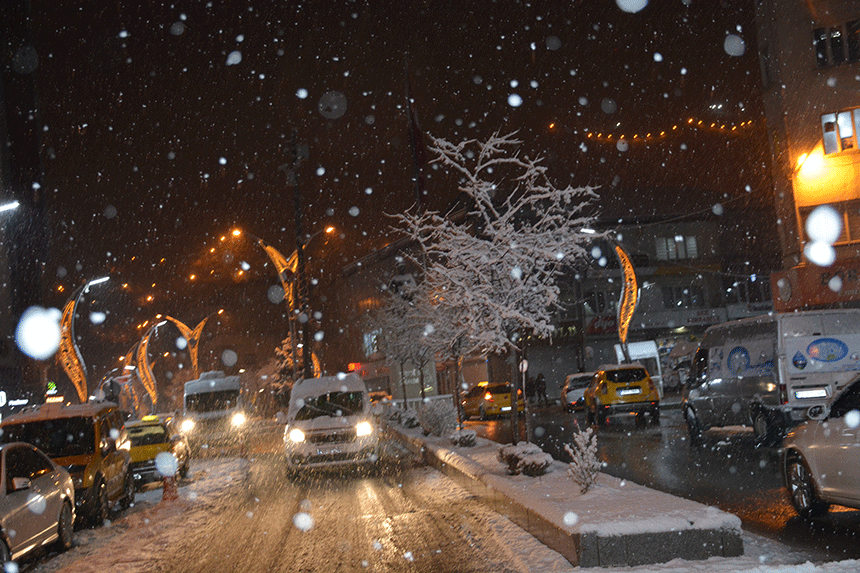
(629, 298)
(144, 369)
(192, 336)
(290, 273)
(69, 354)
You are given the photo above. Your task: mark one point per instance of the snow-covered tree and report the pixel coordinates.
(403, 321)
(496, 269)
(493, 273)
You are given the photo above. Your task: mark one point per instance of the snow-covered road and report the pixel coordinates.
(244, 515)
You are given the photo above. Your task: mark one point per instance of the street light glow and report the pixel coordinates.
(9, 206)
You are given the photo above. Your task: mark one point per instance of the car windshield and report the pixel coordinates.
(625, 375)
(58, 437)
(333, 404)
(212, 401)
(147, 435)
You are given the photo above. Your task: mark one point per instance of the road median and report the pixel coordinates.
(616, 523)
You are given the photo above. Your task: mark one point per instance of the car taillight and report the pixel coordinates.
(783, 394)
(519, 391)
(488, 397)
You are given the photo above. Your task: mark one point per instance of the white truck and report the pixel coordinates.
(647, 354)
(213, 413)
(765, 372)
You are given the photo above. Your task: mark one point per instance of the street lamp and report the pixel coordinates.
(69, 354)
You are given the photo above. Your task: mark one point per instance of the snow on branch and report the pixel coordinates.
(494, 272)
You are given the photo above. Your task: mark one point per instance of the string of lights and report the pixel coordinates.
(649, 136)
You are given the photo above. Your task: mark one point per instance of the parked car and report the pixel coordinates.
(151, 436)
(29, 478)
(573, 391)
(330, 424)
(486, 400)
(821, 457)
(622, 389)
(89, 441)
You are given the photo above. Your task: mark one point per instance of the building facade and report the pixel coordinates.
(810, 58)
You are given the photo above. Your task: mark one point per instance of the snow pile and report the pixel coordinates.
(464, 438)
(525, 458)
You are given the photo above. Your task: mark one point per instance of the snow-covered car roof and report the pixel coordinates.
(318, 386)
(53, 411)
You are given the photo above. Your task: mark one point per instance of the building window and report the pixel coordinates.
(692, 296)
(835, 45)
(371, 342)
(839, 130)
(601, 302)
(676, 248)
(850, 213)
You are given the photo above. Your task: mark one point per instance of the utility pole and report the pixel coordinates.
(301, 280)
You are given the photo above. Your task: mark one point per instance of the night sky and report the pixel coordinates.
(165, 124)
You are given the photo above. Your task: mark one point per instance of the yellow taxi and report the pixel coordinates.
(485, 400)
(150, 437)
(622, 389)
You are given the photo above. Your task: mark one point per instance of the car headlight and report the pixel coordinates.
(238, 419)
(296, 435)
(363, 429)
(187, 426)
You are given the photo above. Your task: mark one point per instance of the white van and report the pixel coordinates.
(647, 353)
(330, 423)
(766, 371)
(213, 414)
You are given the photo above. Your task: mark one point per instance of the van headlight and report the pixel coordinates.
(187, 426)
(363, 429)
(296, 435)
(238, 419)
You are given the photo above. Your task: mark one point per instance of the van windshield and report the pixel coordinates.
(58, 437)
(626, 375)
(212, 401)
(333, 404)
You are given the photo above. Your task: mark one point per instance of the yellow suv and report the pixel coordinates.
(89, 440)
(622, 389)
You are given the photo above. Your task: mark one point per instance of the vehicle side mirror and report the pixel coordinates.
(20, 483)
(818, 412)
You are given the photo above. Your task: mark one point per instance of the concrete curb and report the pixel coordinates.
(588, 549)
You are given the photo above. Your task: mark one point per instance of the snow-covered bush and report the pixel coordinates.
(464, 438)
(437, 417)
(406, 418)
(525, 458)
(585, 466)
